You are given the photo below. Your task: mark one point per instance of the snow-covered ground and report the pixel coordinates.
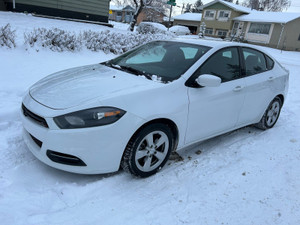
(245, 177)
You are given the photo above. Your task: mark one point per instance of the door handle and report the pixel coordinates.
(238, 88)
(270, 78)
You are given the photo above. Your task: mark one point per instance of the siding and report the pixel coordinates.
(97, 7)
(290, 35)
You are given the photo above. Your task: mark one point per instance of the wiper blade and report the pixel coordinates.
(129, 69)
(137, 72)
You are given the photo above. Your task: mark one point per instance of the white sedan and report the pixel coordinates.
(134, 110)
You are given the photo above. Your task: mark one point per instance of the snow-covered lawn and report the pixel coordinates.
(244, 177)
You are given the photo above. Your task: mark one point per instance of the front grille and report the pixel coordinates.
(37, 141)
(40, 120)
(64, 158)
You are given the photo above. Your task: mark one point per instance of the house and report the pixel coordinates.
(150, 15)
(218, 17)
(93, 10)
(190, 20)
(121, 14)
(274, 29)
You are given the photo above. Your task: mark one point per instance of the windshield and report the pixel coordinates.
(165, 59)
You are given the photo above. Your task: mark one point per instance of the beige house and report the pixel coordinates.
(274, 29)
(190, 20)
(218, 17)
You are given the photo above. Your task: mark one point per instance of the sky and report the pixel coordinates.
(295, 5)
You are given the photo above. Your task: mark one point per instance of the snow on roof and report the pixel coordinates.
(230, 5)
(189, 16)
(268, 17)
(116, 8)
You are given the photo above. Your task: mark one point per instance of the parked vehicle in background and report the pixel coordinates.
(151, 27)
(180, 30)
(134, 110)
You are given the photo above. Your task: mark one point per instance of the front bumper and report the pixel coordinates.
(100, 148)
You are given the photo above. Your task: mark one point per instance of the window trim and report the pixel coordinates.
(191, 81)
(212, 31)
(217, 31)
(210, 17)
(223, 18)
(270, 24)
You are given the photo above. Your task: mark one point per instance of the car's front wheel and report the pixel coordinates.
(271, 115)
(148, 150)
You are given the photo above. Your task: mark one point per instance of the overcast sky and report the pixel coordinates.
(295, 5)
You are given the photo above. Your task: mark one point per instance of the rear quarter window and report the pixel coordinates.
(270, 63)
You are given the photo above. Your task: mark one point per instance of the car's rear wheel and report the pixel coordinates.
(148, 150)
(271, 115)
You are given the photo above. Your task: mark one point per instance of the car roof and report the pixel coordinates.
(215, 43)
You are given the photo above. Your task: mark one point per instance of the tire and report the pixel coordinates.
(148, 150)
(271, 115)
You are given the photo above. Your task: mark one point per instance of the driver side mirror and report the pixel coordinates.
(207, 80)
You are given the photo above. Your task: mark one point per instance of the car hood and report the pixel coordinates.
(76, 86)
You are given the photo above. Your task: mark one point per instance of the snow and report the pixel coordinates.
(116, 7)
(156, 25)
(230, 5)
(268, 17)
(189, 16)
(244, 177)
(180, 30)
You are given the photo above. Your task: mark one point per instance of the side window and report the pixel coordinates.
(254, 61)
(270, 63)
(224, 64)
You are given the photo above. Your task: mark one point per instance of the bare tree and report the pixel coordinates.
(268, 5)
(152, 9)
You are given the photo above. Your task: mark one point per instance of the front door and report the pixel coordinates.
(215, 110)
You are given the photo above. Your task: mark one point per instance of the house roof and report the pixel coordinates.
(233, 6)
(189, 16)
(115, 7)
(121, 8)
(268, 17)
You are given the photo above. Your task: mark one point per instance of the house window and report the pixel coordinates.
(209, 31)
(209, 14)
(224, 15)
(259, 28)
(119, 13)
(299, 38)
(222, 33)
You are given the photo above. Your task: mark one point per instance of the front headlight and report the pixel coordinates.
(89, 118)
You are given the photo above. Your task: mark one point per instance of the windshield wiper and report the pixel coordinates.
(129, 69)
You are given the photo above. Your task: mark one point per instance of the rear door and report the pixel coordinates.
(261, 85)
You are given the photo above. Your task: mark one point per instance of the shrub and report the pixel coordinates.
(116, 43)
(7, 36)
(54, 39)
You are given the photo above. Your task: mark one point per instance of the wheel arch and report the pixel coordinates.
(168, 122)
(281, 97)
